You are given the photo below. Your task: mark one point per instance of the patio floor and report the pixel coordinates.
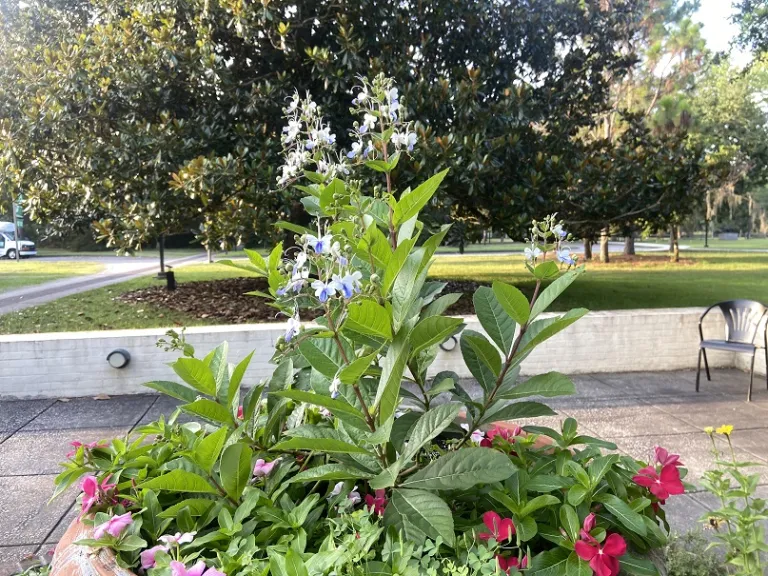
(634, 410)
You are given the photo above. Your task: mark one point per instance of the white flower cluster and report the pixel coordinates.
(308, 140)
(547, 235)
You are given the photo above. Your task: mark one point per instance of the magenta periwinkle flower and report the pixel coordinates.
(114, 526)
(178, 569)
(95, 493)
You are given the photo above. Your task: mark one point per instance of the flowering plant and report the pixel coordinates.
(355, 457)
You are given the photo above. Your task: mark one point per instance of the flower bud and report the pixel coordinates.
(375, 278)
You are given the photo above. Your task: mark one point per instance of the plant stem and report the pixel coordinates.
(505, 368)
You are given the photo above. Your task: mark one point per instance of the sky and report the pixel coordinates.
(718, 30)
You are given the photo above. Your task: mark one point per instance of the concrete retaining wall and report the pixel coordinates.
(74, 363)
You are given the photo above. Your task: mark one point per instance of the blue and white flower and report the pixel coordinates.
(292, 130)
(559, 232)
(294, 325)
(368, 149)
(405, 140)
(532, 253)
(299, 278)
(354, 497)
(319, 245)
(357, 149)
(565, 257)
(349, 284)
(336, 252)
(369, 123)
(323, 290)
(361, 97)
(334, 387)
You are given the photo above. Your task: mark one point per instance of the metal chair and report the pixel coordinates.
(742, 320)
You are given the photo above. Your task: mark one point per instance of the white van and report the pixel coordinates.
(9, 248)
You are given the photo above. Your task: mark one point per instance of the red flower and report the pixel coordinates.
(664, 458)
(506, 433)
(239, 412)
(587, 526)
(511, 562)
(604, 560)
(661, 485)
(499, 529)
(378, 502)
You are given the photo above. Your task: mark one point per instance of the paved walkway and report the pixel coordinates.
(116, 270)
(636, 411)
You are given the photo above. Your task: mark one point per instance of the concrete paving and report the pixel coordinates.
(116, 270)
(635, 410)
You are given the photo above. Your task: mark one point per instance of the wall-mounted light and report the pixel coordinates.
(449, 344)
(119, 358)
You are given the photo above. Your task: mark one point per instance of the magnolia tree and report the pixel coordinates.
(354, 458)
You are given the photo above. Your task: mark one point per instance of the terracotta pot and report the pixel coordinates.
(71, 560)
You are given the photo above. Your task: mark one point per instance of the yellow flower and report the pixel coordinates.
(709, 430)
(725, 429)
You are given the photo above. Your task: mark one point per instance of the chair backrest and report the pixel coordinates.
(742, 318)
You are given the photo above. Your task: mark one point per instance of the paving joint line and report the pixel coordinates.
(51, 531)
(28, 422)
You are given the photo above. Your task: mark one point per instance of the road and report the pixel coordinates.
(117, 269)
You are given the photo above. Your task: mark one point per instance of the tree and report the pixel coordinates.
(113, 102)
(752, 18)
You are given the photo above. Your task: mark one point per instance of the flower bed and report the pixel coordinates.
(332, 467)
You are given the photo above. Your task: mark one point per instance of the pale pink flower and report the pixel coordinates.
(114, 526)
(178, 539)
(178, 569)
(148, 556)
(262, 468)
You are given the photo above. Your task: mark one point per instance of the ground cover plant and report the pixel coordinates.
(333, 466)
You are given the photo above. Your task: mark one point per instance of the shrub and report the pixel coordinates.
(690, 555)
(333, 466)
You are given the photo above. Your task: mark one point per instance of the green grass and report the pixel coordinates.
(17, 274)
(170, 253)
(98, 310)
(715, 244)
(648, 281)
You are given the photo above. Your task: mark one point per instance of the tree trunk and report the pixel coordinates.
(674, 234)
(587, 248)
(706, 232)
(629, 245)
(604, 257)
(210, 255)
(461, 245)
(161, 246)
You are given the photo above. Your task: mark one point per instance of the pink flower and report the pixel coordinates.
(661, 485)
(604, 560)
(377, 502)
(178, 569)
(239, 412)
(664, 458)
(90, 446)
(114, 526)
(499, 529)
(93, 493)
(506, 433)
(587, 526)
(262, 468)
(177, 539)
(148, 556)
(512, 562)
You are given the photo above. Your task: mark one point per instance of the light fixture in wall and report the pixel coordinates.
(449, 344)
(119, 358)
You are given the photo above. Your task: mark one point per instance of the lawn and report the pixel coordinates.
(647, 281)
(16, 274)
(170, 253)
(697, 243)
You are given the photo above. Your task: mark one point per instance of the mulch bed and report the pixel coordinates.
(226, 300)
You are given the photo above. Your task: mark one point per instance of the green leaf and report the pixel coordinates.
(352, 372)
(516, 411)
(429, 426)
(426, 512)
(527, 528)
(320, 445)
(207, 452)
(549, 563)
(512, 301)
(406, 288)
(173, 389)
(333, 404)
(637, 566)
(623, 513)
(179, 480)
(542, 330)
(256, 259)
(461, 470)
(236, 378)
(569, 520)
(432, 331)
(392, 368)
(300, 230)
(395, 264)
(323, 355)
(294, 565)
(538, 503)
(548, 483)
(551, 292)
(410, 205)
(209, 410)
(329, 472)
(600, 466)
(196, 507)
(546, 385)
(235, 469)
(546, 270)
(576, 495)
(196, 373)
(440, 305)
(367, 317)
(575, 566)
(217, 362)
(481, 357)
(499, 326)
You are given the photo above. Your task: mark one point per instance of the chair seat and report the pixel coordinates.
(742, 347)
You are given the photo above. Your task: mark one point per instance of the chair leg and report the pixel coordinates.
(706, 364)
(698, 370)
(751, 376)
